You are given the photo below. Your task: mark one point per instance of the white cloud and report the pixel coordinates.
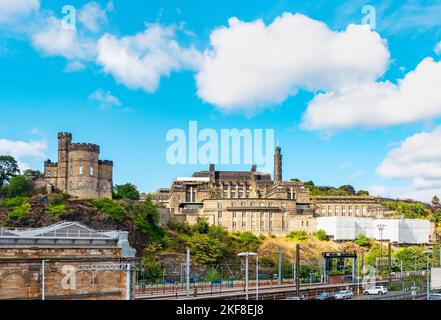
(252, 65)
(438, 48)
(104, 98)
(13, 9)
(92, 16)
(74, 66)
(418, 160)
(55, 40)
(140, 61)
(23, 151)
(416, 97)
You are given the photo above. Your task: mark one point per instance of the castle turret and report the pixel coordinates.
(278, 165)
(64, 142)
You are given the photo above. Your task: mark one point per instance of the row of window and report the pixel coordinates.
(89, 184)
(336, 209)
(251, 214)
(250, 204)
(252, 225)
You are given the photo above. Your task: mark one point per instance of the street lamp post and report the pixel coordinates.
(380, 229)
(428, 252)
(246, 255)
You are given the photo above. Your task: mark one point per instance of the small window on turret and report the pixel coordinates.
(91, 171)
(80, 170)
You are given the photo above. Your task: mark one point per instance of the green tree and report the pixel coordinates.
(8, 169)
(413, 258)
(125, 191)
(204, 249)
(348, 189)
(146, 219)
(201, 225)
(114, 210)
(409, 210)
(249, 241)
(18, 186)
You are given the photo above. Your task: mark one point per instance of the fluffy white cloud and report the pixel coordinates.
(140, 60)
(23, 151)
(438, 48)
(252, 65)
(12, 9)
(56, 40)
(104, 98)
(414, 98)
(417, 159)
(92, 16)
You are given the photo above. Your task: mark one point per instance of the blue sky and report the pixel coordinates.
(336, 109)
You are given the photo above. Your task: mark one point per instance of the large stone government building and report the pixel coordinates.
(78, 172)
(252, 201)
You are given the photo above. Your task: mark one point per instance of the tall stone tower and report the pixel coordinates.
(278, 165)
(64, 142)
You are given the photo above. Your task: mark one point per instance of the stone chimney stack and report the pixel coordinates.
(278, 165)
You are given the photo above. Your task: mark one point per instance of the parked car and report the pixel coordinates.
(296, 298)
(435, 296)
(375, 290)
(325, 296)
(344, 294)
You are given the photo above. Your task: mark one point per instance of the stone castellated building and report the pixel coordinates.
(79, 172)
(253, 201)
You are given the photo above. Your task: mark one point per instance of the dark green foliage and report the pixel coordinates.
(114, 210)
(8, 169)
(409, 210)
(18, 186)
(125, 191)
(201, 225)
(204, 249)
(146, 217)
(249, 242)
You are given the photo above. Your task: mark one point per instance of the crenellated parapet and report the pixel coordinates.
(49, 163)
(90, 147)
(105, 163)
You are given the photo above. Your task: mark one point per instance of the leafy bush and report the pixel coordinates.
(409, 210)
(15, 202)
(321, 235)
(125, 191)
(204, 249)
(20, 211)
(145, 218)
(56, 209)
(297, 235)
(212, 274)
(201, 225)
(249, 241)
(262, 237)
(115, 211)
(362, 240)
(18, 186)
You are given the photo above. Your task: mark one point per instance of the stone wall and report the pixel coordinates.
(21, 274)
